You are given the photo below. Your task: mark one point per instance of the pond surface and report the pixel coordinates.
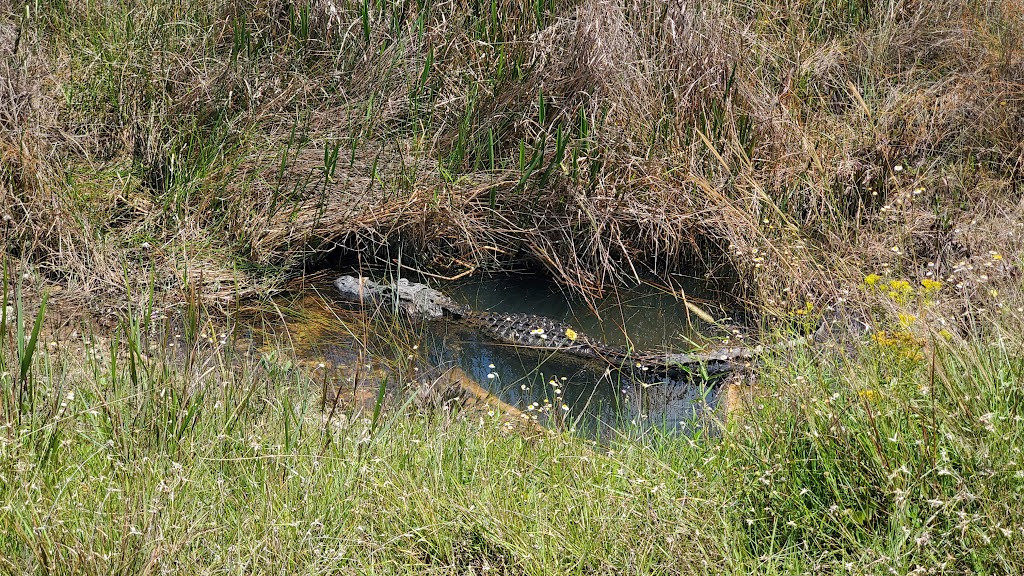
(557, 389)
(575, 393)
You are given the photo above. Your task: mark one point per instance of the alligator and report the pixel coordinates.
(543, 333)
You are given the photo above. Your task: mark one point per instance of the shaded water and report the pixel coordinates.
(581, 395)
(578, 393)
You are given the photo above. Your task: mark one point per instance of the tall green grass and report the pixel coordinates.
(135, 459)
(230, 466)
(912, 469)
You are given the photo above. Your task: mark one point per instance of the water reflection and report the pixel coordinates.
(576, 393)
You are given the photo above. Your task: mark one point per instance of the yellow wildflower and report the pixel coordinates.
(931, 286)
(900, 291)
(902, 343)
(901, 286)
(869, 395)
(906, 319)
(896, 339)
(872, 279)
(571, 334)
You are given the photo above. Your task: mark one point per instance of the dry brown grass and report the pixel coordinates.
(798, 143)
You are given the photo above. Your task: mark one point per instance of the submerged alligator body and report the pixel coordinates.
(540, 332)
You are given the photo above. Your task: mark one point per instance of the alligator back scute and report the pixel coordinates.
(528, 330)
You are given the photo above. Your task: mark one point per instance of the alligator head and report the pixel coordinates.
(418, 300)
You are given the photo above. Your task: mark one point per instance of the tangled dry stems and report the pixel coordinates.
(803, 142)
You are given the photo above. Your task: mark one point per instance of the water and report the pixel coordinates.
(576, 393)
(646, 316)
(573, 393)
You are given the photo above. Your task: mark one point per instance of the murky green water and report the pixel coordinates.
(646, 316)
(579, 394)
(574, 393)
